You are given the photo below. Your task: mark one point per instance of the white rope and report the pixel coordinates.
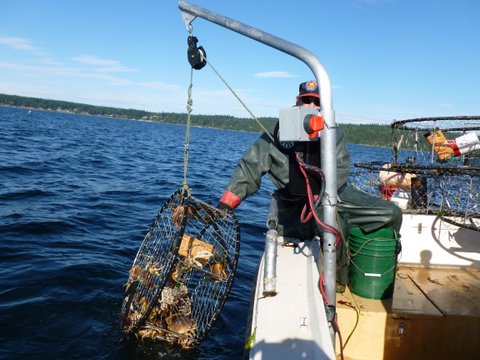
(238, 98)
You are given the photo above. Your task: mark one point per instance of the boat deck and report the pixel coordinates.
(292, 324)
(433, 314)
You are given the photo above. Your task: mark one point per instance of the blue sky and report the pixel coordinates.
(387, 59)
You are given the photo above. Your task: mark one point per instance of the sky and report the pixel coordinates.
(386, 59)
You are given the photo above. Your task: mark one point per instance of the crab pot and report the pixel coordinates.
(182, 273)
(373, 262)
(418, 193)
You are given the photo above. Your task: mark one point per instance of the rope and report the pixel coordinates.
(241, 102)
(356, 321)
(186, 190)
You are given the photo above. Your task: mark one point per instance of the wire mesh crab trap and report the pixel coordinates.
(182, 273)
(434, 169)
(184, 269)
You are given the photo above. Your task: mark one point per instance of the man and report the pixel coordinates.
(278, 160)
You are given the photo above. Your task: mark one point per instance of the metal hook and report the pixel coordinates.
(188, 19)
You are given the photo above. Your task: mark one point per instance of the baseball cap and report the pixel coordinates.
(308, 88)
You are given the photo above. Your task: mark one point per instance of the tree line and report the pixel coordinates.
(364, 134)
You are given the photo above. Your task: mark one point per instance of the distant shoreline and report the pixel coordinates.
(361, 134)
(120, 118)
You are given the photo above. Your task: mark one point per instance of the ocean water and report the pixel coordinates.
(77, 195)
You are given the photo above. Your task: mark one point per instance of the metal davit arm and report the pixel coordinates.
(328, 143)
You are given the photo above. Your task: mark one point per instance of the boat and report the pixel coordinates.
(432, 308)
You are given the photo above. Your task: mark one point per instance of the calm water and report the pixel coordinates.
(77, 195)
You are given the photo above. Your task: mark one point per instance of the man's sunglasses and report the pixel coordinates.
(310, 99)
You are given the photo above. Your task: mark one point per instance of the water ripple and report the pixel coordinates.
(77, 196)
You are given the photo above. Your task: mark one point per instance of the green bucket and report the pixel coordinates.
(373, 262)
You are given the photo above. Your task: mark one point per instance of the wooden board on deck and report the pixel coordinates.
(451, 291)
(434, 314)
(409, 298)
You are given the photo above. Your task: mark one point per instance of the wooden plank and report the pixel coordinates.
(361, 321)
(433, 315)
(408, 299)
(420, 337)
(453, 291)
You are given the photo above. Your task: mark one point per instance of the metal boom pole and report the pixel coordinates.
(328, 143)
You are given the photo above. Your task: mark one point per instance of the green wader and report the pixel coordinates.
(355, 209)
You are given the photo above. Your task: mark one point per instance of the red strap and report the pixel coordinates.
(230, 199)
(454, 146)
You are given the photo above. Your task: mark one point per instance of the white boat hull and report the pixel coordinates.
(292, 324)
(437, 289)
